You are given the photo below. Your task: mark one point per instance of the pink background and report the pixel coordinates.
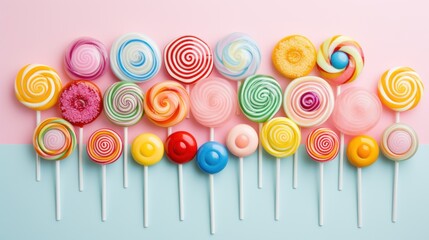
(391, 33)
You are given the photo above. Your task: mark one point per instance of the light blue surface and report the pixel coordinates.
(27, 207)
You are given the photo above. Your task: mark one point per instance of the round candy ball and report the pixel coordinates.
(212, 157)
(362, 151)
(399, 142)
(181, 147)
(147, 149)
(242, 140)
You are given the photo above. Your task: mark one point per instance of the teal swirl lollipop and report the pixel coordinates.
(123, 106)
(260, 98)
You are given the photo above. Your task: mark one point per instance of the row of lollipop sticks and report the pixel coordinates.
(308, 101)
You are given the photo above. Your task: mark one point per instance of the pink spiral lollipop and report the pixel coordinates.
(86, 58)
(213, 102)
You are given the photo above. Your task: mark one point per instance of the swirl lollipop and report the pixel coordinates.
(123, 106)
(322, 146)
(260, 98)
(280, 137)
(86, 58)
(237, 56)
(37, 87)
(104, 147)
(212, 157)
(166, 104)
(147, 149)
(356, 111)
(308, 101)
(54, 139)
(362, 151)
(80, 104)
(242, 141)
(213, 101)
(135, 58)
(181, 147)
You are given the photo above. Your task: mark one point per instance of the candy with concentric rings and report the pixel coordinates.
(188, 59)
(104, 146)
(340, 59)
(399, 142)
(308, 101)
(322, 144)
(86, 58)
(135, 57)
(237, 56)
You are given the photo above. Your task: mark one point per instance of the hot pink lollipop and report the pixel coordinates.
(80, 103)
(242, 141)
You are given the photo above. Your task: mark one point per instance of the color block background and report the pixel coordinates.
(392, 33)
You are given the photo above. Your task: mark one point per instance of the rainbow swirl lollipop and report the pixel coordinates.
(280, 137)
(86, 58)
(340, 59)
(135, 58)
(54, 139)
(237, 56)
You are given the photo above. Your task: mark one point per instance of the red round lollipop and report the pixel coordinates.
(181, 147)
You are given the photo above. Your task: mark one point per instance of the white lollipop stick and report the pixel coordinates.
(241, 195)
(145, 197)
(57, 191)
(103, 193)
(277, 208)
(295, 169)
(80, 160)
(169, 131)
(321, 210)
(341, 155)
(395, 183)
(125, 157)
(398, 117)
(212, 134)
(212, 205)
(238, 87)
(38, 119)
(260, 160)
(359, 196)
(188, 90)
(181, 200)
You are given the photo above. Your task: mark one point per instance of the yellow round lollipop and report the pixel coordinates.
(280, 137)
(362, 151)
(147, 149)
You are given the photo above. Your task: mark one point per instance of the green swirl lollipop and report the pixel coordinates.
(260, 98)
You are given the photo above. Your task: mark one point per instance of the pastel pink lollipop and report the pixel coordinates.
(356, 111)
(242, 141)
(213, 102)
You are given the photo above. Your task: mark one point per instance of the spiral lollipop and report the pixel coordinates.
(166, 104)
(237, 56)
(37, 87)
(147, 149)
(212, 157)
(213, 101)
(104, 147)
(242, 141)
(260, 98)
(308, 101)
(322, 146)
(280, 137)
(54, 139)
(181, 147)
(86, 58)
(80, 103)
(135, 58)
(362, 151)
(356, 111)
(123, 106)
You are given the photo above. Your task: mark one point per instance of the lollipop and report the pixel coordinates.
(37, 87)
(242, 141)
(104, 147)
(147, 149)
(362, 151)
(322, 146)
(123, 106)
(356, 111)
(86, 58)
(80, 103)
(280, 137)
(135, 58)
(54, 139)
(212, 157)
(308, 101)
(166, 104)
(237, 56)
(260, 98)
(181, 148)
(213, 101)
